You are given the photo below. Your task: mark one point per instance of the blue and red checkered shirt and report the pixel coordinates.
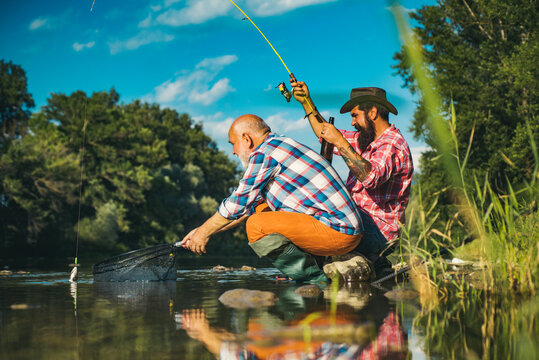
(289, 176)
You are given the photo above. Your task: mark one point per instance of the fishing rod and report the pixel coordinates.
(282, 86)
(440, 252)
(327, 149)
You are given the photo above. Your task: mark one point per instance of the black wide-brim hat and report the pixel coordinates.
(367, 94)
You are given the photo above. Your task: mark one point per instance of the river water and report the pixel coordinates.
(43, 316)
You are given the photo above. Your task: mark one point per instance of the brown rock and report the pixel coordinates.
(220, 268)
(308, 291)
(243, 298)
(351, 267)
(23, 306)
(401, 294)
(247, 268)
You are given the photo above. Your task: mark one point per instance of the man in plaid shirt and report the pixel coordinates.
(295, 202)
(380, 165)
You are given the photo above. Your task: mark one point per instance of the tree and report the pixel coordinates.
(150, 170)
(483, 55)
(38, 188)
(150, 175)
(15, 101)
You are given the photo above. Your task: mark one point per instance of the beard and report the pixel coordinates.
(366, 135)
(244, 162)
(244, 158)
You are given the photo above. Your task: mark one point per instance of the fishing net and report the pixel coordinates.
(149, 264)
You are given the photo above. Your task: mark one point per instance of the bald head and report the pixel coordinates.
(250, 124)
(245, 134)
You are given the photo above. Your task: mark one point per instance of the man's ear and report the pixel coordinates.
(373, 113)
(247, 138)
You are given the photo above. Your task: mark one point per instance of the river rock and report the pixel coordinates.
(247, 268)
(354, 294)
(243, 298)
(401, 294)
(23, 306)
(351, 267)
(308, 291)
(220, 268)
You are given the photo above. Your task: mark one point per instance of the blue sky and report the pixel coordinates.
(199, 57)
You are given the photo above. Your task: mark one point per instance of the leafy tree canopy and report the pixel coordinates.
(15, 101)
(483, 55)
(150, 175)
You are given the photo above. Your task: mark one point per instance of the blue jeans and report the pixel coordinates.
(373, 241)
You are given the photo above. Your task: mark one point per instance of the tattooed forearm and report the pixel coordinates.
(358, 166)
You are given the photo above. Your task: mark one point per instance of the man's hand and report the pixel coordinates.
(195, 241)
(331, 134)
(300, 90)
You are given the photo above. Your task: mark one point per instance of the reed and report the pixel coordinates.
(505, 226)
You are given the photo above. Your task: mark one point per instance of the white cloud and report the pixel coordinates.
(403, 9)
(195, 12)
(170, 2)
(78, 47)
(40, 22)
(143, 38)
(280, 124)
(218, 129)
(269, 88)
(208, 118)
(416, 155)
(275, 7)
(196, 86)
(217, 91)
(199, 11)
(218, 63)
(50, 22)
(146, 22)
(156, 8)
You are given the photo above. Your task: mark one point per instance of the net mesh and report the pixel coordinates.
(149, 264)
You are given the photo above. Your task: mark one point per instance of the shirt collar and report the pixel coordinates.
(386, 132)
(266, 139)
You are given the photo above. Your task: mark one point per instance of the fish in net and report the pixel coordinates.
(150, 264)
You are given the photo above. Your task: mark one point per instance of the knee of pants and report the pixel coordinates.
(254, 229)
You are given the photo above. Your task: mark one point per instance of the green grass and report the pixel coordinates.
(489, 311)
(504, 225)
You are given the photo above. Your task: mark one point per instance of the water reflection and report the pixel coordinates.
(297, 334)
(182, 319)
(138, 295)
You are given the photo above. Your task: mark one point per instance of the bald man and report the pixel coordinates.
(295, 204)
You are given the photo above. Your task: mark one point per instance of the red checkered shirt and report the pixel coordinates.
(384, 193)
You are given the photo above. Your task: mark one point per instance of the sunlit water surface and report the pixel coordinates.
(44, 316)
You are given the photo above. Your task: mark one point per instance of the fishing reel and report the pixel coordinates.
(284, 91)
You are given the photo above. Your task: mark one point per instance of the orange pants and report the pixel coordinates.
(307, 233)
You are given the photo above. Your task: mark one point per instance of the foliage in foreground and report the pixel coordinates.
(482, 57)
(479, 209)
(488, 310)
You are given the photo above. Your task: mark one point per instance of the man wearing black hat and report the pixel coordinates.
(380, 165)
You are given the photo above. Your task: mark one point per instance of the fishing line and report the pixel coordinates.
(276, 53)
(74, 272)
(261, 33)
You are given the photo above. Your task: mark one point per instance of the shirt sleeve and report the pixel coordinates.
(261, 169)
(382, 161)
